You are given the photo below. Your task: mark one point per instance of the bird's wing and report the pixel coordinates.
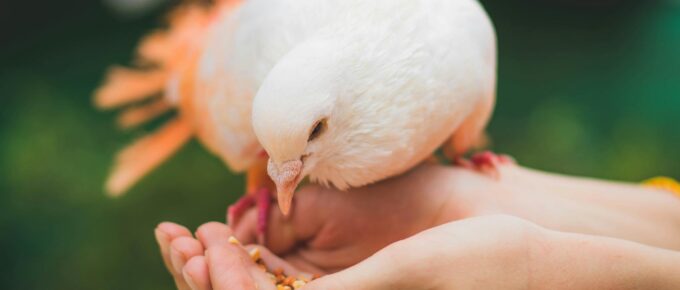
(471, 133)
(142, 156)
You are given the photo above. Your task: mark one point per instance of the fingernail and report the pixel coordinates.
(177, 260)
(161, 237)
(189, 280)
(166, 227)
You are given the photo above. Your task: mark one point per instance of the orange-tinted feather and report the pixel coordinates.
(257, 177)
(155, 48)
(145, 154)
(170, 55)
(125, 85)
(138, 115)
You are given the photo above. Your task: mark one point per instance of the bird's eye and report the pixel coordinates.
(317, 130)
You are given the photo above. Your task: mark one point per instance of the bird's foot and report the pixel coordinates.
(262, 200)
(236, 210)
(486, 162)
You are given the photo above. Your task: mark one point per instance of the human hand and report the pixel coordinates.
(488, 252)
(419, 262)
(330, 230)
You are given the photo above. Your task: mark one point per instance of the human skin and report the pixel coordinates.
(330, 231)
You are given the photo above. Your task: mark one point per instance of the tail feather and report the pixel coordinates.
(186, 23)
(138, 115)
(165, 50)
(155, 48)
(145, 154)
(125, 85)
(166, 53)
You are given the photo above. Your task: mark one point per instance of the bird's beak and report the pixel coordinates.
(286, 176)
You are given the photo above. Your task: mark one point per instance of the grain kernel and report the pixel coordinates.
(254, 254)
(298, 284)
(234, 241)
(289, 280)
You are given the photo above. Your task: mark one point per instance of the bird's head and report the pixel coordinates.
(293, 116)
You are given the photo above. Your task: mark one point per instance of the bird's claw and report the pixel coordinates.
(486, 162)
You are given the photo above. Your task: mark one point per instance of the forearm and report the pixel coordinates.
(597, 207)
(576, 261)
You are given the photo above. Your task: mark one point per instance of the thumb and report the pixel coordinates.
(380, 271)
(309, 214)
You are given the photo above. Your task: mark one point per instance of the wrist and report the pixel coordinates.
(489, 252)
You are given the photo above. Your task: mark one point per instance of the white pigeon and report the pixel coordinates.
(368, 89)
(347, 92)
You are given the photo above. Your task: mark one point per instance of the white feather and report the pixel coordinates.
(395, 78)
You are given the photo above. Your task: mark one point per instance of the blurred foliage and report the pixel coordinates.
(585, 89)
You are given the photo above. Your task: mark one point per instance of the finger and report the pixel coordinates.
(227, 268)
(196, 274)
(213, 234)
(230, 267)
(283, 233)
(181, 250)
(280, 236)
(166, 232)
(246, 229)
(372, 273)
(392, 267)
(305, 265)
(274, 262)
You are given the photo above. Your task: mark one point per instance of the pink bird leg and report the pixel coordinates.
(264, 198)
(237, 209)
(261, 199)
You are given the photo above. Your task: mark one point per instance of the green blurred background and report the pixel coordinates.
(585, 87)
